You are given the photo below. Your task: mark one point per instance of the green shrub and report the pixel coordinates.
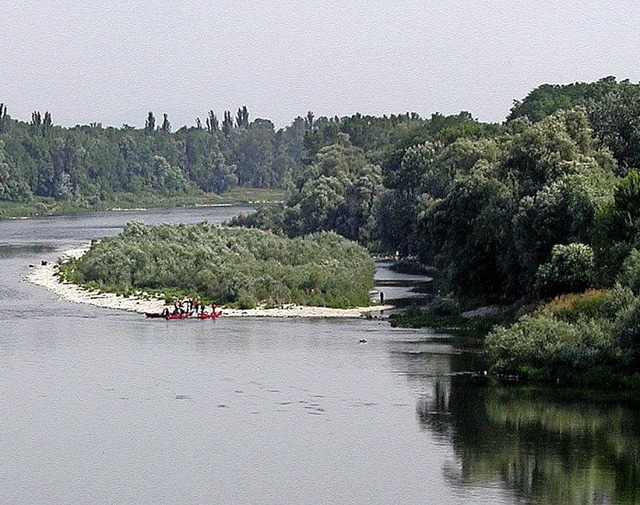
(572, 306)
(229, 265)
(444, 307)
(619, 299)
(545, 342)
(630, 274)
(570, 270)
(246, 301)
(627, 326)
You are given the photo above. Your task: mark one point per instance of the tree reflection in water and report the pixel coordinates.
(542, 444)
(548, 445)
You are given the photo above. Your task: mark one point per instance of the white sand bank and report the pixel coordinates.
(45, 275)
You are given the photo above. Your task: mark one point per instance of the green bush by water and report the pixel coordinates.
(229, 266)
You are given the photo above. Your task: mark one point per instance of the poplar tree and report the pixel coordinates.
(3, 118)
(150, 123)
(166, 125)
(227, 123)
(212, 123)
(242, 117)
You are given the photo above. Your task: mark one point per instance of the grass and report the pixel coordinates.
(48, 206)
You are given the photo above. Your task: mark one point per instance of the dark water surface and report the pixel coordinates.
(100, 406)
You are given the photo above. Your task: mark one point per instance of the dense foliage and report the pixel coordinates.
(237, 266)
(544, 205)
(90, 164)
(589, 337)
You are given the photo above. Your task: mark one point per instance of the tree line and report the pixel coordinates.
(89, 164)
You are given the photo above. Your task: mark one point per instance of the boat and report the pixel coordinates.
(177, 316)
(211, 315)
(161, 315)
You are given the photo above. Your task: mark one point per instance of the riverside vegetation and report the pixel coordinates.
(538, 213)
(238, 267)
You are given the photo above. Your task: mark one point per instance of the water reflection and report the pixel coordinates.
(539, 443)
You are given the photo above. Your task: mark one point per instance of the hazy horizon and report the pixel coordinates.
(111, 63)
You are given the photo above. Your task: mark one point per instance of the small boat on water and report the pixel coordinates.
(162, 315)
(211, 315)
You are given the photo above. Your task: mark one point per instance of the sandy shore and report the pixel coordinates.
(45, 275)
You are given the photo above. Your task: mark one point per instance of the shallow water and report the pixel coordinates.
(101, 406)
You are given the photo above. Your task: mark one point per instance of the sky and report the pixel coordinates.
(112, 62)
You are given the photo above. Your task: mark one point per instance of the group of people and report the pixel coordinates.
(189, 307)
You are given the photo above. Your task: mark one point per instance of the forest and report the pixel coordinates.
(540, 212)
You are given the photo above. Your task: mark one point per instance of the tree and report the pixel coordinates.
(308, 121)
(615, 119)
(150, 123)
(252, 154)
(548, 99)
(4, 118)
(466, 238)
(212, 123)
(166, 125)
(561, 212)
(47, 123)
(537, 155)
(339, 192)
(227, 123)
(617, 226)
(570, 270)
(12, 187)
(242, 117)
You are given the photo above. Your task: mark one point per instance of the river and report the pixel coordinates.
(101, 406)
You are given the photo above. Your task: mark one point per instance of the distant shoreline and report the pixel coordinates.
(45, 275)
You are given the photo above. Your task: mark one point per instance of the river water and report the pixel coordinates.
(101, 406)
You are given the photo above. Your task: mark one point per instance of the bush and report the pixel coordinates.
(570, 270)
(618, 300)
(627, 326)
(547, 343)
(630, 274)
(230, 265)
(444, 307)
(572, 306)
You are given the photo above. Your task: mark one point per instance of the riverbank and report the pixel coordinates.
(130, 201)
(45, 275)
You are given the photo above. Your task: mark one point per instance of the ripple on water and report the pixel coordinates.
(7, 293)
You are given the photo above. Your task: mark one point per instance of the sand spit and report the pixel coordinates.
(45, 275)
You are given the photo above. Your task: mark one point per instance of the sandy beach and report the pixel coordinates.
(45, 275)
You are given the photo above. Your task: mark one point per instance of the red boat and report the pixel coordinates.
(158, 315)
(213, 315)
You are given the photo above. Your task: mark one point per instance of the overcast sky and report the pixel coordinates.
(112, 61)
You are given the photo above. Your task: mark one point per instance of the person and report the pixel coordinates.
(381, 297)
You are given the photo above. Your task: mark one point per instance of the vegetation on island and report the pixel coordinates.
(538, 215)
(239, 267)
